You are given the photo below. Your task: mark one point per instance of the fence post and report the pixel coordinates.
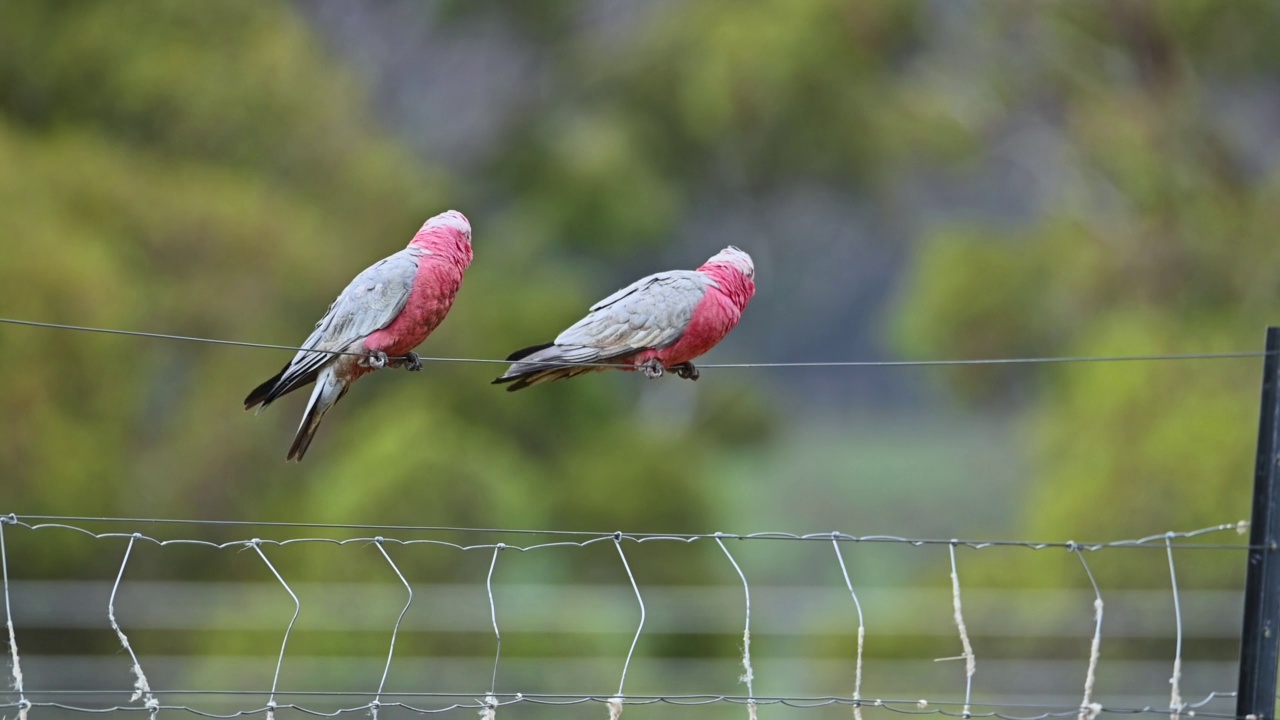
(1260, 633)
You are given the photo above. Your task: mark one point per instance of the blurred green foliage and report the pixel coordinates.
(209, 170)
(1160, 241)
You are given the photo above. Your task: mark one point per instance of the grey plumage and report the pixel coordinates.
(369, 303)
(651, 313)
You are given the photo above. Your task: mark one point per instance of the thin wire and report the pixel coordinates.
(1089, 709)
(8, 619)
(634, 698)
(748, 674)
(143, 689)
(493, 616)
(582, 700)
(1149, 541)
(846, 700)
(1175, 680)
(970, 662)
(862, 630)
(297, 608)
(617, 540)
(395, 632)
(716, 366)
(905, 707)
(993, 361)
(165, 336)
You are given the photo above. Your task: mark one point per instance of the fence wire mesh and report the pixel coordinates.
(391, 549)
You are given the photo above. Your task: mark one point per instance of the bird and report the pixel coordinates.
(385, 312)
(657, 324)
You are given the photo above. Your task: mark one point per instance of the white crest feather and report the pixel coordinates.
(735, 258)
(449, 219)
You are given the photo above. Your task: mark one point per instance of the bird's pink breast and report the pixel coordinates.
(434, 289)
(712, 319)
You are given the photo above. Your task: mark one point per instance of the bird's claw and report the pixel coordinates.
(652, 368)
(686, 370)
(377, 360)
(411, 362)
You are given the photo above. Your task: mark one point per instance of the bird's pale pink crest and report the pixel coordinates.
(734, 258)
(447, 225)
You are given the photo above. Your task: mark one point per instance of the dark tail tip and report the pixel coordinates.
(523, 353)
(307, 430)
(536, 377)
(518, 384)
(261, 395)
(258, 396)
(320, 404)
(519, 380)
(301, 442)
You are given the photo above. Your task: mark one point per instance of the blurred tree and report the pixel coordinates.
(714, 101)
(208, 170)
(1157, 239)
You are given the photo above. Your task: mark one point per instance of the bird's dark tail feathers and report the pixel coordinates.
(269, 391)
(329, 390)
(523, 353)
(543, 363)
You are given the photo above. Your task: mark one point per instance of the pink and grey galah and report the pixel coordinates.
(658, 323)
(379, 318)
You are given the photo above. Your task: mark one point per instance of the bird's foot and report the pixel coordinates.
(411, 362)
(652, 368)
(686, 370)
(376, 360)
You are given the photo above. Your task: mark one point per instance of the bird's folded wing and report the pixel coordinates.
(369, 303)
(652, 312)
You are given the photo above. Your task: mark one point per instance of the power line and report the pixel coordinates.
(718, 366)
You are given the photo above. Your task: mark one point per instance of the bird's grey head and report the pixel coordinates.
(451, 219)
(735, 258)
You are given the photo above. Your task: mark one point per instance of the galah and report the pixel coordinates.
(379, 318)
(658, 323)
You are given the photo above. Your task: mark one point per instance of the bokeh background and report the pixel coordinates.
(916, 180)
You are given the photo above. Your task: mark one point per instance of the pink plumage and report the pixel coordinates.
(658, 323)
(385, 312)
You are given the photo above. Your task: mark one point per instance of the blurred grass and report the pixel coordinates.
(934, 476)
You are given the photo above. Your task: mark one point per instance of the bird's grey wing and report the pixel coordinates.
(652, 312)
(369, 303)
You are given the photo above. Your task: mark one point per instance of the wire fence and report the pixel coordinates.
(391, 547)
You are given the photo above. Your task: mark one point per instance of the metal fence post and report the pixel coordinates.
(1260, 633)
